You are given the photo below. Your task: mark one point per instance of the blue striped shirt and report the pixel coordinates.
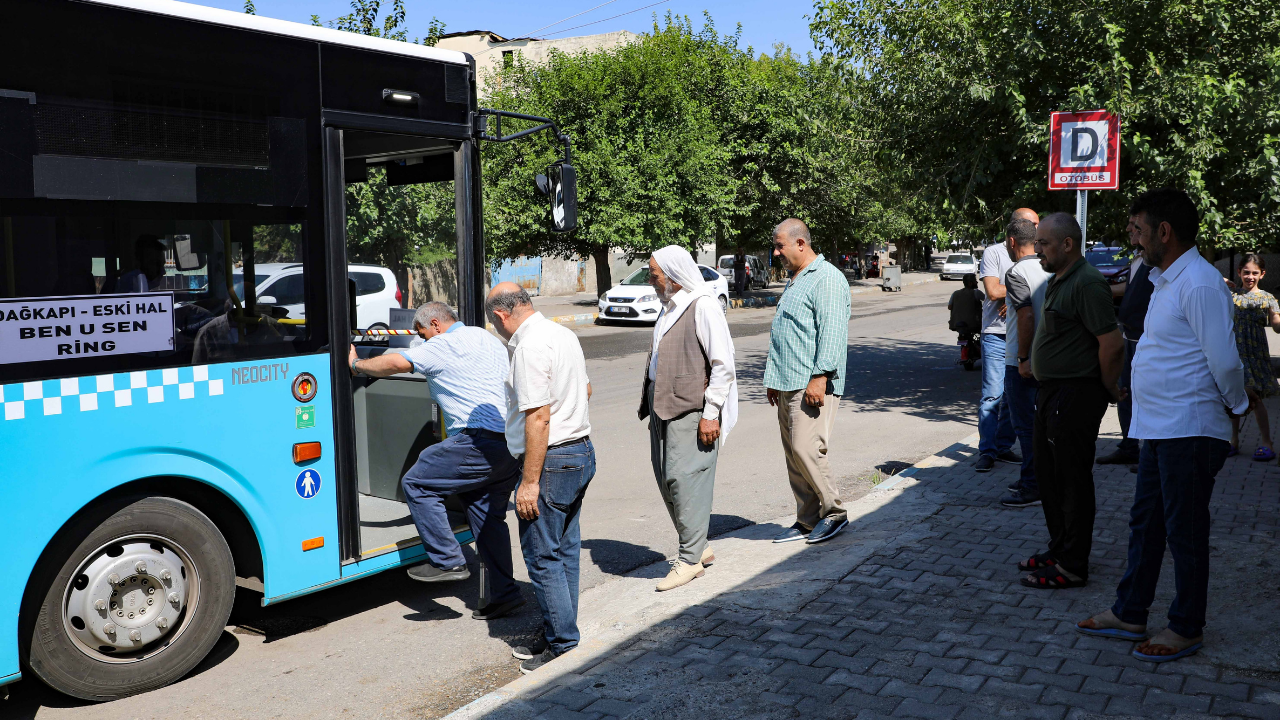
(466, 368)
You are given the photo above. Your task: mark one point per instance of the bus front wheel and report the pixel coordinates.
(136, 605)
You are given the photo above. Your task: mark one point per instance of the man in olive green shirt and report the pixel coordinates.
(1076, 357)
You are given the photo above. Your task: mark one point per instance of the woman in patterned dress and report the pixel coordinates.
(1255, 310)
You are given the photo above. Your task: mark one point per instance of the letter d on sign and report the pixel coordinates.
(1090, 147)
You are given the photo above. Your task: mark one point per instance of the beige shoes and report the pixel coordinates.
(682, 572)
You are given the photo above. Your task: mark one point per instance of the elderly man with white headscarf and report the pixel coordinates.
(690, 395)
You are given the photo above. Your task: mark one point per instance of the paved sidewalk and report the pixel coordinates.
(916, 611)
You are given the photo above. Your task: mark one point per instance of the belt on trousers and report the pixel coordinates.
(567, 443)
(484, 433)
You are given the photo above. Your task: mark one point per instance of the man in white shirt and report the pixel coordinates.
(548, 430)
(690, 396)
(466, 368)
(995, 423)
(1187, 384)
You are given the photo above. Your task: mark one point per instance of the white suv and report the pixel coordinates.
(281, 285)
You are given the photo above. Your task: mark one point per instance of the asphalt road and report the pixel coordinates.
(390, 647)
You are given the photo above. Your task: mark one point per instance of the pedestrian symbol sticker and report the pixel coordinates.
(307, 484)
(306, 416)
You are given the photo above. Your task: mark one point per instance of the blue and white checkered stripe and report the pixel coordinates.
(86, 394)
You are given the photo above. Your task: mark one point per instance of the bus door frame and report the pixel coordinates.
(470, 250)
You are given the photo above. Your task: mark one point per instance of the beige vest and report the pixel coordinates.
(683, 370)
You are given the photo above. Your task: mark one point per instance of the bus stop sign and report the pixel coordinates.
(1084, 150)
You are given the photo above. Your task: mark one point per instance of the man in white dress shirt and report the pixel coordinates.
(1187, 384)
(548, 429)
(690, 396)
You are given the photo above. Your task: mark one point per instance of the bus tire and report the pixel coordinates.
(187, 560)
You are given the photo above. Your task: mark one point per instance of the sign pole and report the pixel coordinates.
(1082, 215)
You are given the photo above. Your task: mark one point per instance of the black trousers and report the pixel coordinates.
(1068, 413)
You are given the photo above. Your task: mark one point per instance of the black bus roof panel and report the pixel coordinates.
(285, 28)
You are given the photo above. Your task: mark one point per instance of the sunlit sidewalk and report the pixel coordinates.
(916, 611)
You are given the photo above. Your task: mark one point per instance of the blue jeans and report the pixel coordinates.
(1171, 505)
(995, 427)
(1020, 397)
(476, 466)
(552, 541)
(1124, 408)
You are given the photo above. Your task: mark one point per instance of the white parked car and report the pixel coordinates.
(634, 300)
(757, 276)
(957, 266)
(280, 284)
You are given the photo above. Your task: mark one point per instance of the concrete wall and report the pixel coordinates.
(487, 48)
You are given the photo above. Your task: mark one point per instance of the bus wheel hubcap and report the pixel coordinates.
(127, 596)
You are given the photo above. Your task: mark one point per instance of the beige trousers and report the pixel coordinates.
(805, 432)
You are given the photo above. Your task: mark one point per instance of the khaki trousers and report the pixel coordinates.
(805, 432)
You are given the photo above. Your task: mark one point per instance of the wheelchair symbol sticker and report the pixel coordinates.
(307, 484)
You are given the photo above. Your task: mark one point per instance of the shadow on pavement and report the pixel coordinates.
(916, 611)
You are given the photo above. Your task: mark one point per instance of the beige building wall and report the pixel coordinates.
(491, 50)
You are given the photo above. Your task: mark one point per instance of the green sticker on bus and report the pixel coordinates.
(306, 416)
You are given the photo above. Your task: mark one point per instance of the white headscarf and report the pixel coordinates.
(679, 267)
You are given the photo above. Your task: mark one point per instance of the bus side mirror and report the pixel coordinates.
(561, 184)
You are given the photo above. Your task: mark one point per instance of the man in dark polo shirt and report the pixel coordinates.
(1076, 357)
(1131, 315)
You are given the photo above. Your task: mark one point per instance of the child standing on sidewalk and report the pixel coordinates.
(1255, 310)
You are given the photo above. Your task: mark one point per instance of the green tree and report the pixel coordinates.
(960, 91)
(646, 146)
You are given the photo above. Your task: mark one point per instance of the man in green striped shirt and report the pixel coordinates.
(804, 377)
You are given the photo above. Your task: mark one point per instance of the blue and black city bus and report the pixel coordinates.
(171, 430)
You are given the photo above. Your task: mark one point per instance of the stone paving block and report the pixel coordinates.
(1094, 686)
(803, 672)
(926, 660)
(855, 663)
(900, 672)
(608, 706)
(740, 631)
(1227, 706)
(1060, 696)
(961, 638)
(859, 702)
(1101, 672)
(1008, 708)
(557, 712)
(914, 708)
(1196, 703)
(1200, 686)
(1044, 664)
(746, 647)
(966, 683)
(829, 631)
(982, 654)
(1078, 655)
(806, 689)
(749, 661)
(870, 684)
(705, 641)
(932, 648)
(1133, 676)
(986, 669)
(804, 656)
(785, 700)
(790, 638)
(1026, 692)
(1191, 666)
(843, 647)
(898, 688)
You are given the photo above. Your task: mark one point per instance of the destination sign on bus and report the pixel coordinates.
(38, 329)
